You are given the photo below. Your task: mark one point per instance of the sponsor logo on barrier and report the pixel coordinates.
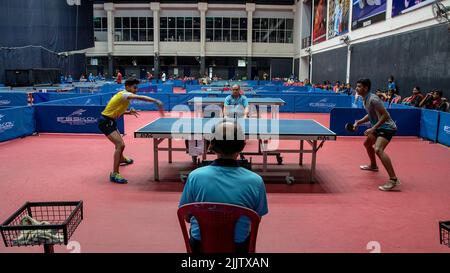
(7, 125)
(323, 103)
(5, 102)
(447, 129)
(77, 118)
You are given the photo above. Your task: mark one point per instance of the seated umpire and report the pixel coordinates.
(224, 181)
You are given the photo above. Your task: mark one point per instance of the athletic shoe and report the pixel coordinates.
(390, 185)
(117, 178)
(368, 168)
(127, 161)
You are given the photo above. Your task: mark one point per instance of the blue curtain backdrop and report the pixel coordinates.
(31, 30)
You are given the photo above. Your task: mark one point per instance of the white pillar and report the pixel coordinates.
(109, 8)
(250, 8)
(389, 9)
(202, 7)
(155, 7)
(349, 58)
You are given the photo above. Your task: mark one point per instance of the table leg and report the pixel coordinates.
(300, 162)
(264, 151)
(313, 161)
(155, 159)
(205, 150)
(48, 249)
(170, 150)
(274, 111)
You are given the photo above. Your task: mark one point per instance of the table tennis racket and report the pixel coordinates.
(349, 127)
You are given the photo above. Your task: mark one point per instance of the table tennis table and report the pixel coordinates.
(310, 131)
(274, 104)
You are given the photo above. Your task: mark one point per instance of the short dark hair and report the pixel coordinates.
(439, 92)
(391, 77)
(131, 81)
(365, 83)
(418, 88)
(222, 144)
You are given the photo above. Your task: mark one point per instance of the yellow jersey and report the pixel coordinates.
(118, 105)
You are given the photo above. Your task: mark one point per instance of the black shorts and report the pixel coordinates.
(385, 133)
(107, 125)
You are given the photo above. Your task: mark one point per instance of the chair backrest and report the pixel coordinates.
(217, 223)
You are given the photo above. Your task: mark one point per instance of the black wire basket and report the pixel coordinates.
(444, 232)
(42, 223)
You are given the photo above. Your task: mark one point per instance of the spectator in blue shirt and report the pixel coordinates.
(391, 83)
(225, 182)
(236, 104)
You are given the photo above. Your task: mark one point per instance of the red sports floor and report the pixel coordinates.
(342, 213)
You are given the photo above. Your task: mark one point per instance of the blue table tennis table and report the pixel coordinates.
(214, 93)
(267, 130)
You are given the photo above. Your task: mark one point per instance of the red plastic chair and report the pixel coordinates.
(217, 222)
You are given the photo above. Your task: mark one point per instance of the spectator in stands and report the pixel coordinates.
(415, 98)
(381, 94)
(149, 76)
(265, 76)
(337, 86)
(69, 79)
(118, 77)
(347, 89)
(391, 83)
(307, 82)
(224, 181)
(392, 97)
(163, 77)
(83, 78)
(435, 101)
(91, 77)
(236, 104)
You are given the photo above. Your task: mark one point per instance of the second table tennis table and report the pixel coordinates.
(274, 104)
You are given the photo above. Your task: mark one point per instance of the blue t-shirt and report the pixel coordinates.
(225, 182)
(391, 86)
(236, 105)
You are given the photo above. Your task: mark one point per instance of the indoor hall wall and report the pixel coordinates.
(329, 65)
(420, 57)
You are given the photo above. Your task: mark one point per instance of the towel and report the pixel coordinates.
(35, 237)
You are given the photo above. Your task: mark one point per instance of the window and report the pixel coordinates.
(226, 29)
(134, 29)
(180, 29)
(272, 30)
(100, 29)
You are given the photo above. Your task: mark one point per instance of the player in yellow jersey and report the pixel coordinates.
(117, 106)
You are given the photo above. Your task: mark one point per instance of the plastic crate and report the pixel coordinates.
(61, 219)
(444, 232)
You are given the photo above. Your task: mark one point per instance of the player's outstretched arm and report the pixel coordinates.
(149, 99)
